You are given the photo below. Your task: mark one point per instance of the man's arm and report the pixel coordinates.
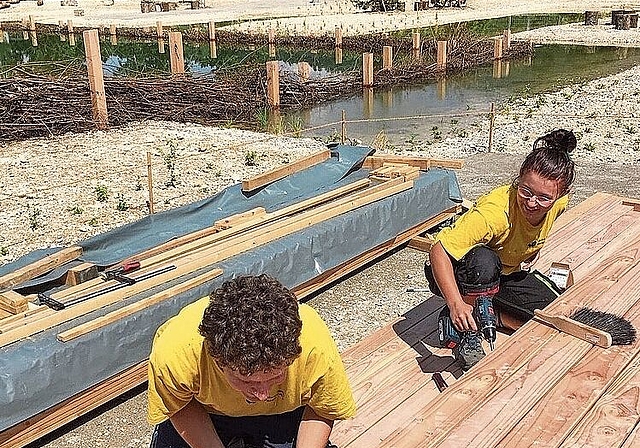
(195, 426)
(314, 430)
(461, 313)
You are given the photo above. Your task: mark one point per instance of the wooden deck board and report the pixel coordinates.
(540, 387)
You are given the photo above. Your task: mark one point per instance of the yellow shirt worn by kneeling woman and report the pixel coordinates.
(180, 369)
(496, 221)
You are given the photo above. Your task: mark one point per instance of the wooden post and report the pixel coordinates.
(416, 45)
(159, 30)
(442, 55)
(25, 28)
(160, 45)
(497, 48)
(338, 56)
(273, 83)
(213, 47)
(113, 34)
(367, 102)
(61, 27)
(497, 68)
(272, 50)
(387, 57)
(150, 183)
(343, 133)
(506, 67)
(441, 88)
(492, 119)
(338, 37)
(96, 81)
(70, 26)
(304, 71)
(506, 40)
(272, 36)
(367, 69)
(32, 32)
(176, 53)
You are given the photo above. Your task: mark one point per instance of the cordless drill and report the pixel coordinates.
(485, 319)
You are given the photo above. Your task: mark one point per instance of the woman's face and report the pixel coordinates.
(536, 196)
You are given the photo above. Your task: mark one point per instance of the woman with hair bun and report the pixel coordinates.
(487, 251)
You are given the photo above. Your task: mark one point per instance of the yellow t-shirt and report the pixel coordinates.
(497, 222)
(180, 369)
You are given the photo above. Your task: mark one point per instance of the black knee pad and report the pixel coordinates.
(478, 272)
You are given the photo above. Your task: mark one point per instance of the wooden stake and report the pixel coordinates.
(497, 48)
(70, 26)
(61, 27)
(442, 55)
(272, 36)
(304, 71)
(416, 45)
(112, 29)
(506, 40)
(367, 69)
(32, 24)
(273, 83)
(272, 50)
(96, 80)
(159, 30)
(338, 56)
(338, 37)
(387, 57)
(212, 31)
(492, 119)
(343, 134)
(72, 40)
(441, 88)
(150, 184)
(497, 69)
(213, 47)
(25, 28)
(176, 55)
(160, 45)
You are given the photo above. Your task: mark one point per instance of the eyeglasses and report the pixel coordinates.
(541, 200)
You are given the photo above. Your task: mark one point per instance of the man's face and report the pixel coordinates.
(255, 387)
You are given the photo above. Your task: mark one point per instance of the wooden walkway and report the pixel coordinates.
(539, 387)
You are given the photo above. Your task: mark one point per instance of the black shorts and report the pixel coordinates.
(519, 293)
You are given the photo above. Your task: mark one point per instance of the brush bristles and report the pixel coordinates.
(620, 329)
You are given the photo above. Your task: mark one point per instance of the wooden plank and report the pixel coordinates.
(128, 310)
(199, 258)
(633, 203)
(376, 161)
(212, 234)
(613, 418)
(81, 273)
(515, 359)
(239, 218)
(283, 171)
(421, 243)
(176, 53)
(39, 267)
(12, 302)
(334, 274)
(35, 427)
(551, 420)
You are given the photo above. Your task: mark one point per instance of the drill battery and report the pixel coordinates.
(448, 336)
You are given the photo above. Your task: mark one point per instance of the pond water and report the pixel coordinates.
(472, 92)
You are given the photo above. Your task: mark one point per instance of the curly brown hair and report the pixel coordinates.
(252, 324)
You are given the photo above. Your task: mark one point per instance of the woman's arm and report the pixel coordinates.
(461, 313)
(195, 426)
(314, 430)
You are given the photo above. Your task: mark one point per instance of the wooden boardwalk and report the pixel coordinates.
(539, 387)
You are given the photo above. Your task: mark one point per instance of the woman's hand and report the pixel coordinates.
(462, 316)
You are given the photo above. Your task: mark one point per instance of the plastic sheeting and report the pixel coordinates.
(39, 372)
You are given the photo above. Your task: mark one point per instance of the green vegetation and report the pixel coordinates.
(170, 156)
(102, 193)
(35, 215)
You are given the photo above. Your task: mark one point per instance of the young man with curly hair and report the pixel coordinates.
(246, 364)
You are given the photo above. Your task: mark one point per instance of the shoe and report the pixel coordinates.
(469, 352)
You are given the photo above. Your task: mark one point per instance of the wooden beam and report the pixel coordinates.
(283, 171)
(39, 267)
(376, 161)
(81, 273)
(12, 302)
(421, 243)
(239, 218)
(128, 310)
(96, 78)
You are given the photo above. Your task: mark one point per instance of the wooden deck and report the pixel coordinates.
(539, 387)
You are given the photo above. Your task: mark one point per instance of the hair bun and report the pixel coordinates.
(559, 140)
